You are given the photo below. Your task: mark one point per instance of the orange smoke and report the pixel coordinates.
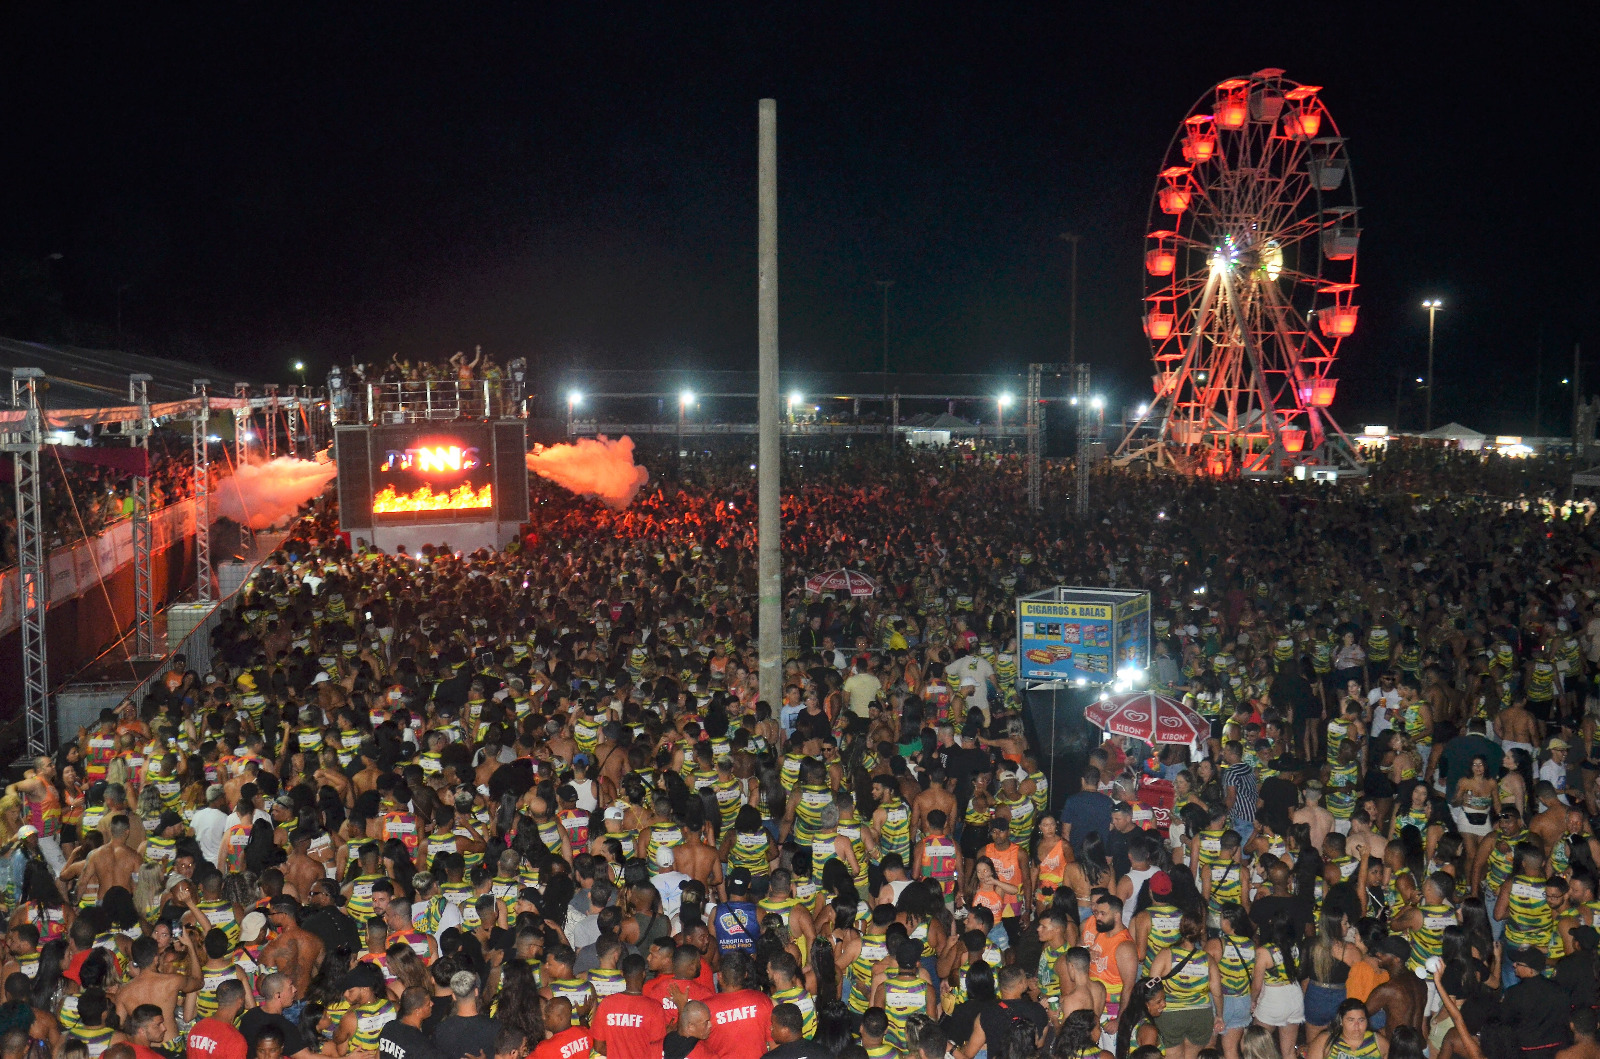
(596, 467)
(460, 498)
(260, 495)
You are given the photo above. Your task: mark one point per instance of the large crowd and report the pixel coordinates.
(531, 802)
(80, 501)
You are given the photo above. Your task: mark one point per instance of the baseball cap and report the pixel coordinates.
(25, 831)
(362, 975)
(1559, 744)
(1161, 884)
(1530, 957)
(739, 880)
(252, 927)
(169, 819)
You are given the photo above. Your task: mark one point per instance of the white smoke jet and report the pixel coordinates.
(261, 495)
(597, 467)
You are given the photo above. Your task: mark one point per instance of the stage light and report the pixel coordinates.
(1005, 400)
(574, 399)
(686, 398)
(1098, 403)
(794, 398)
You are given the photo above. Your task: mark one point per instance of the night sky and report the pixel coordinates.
(576, 183)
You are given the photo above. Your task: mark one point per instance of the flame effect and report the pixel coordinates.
(596, 467)
(461, 498)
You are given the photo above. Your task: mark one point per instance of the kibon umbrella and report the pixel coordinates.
(850, 582)
(1149, 718)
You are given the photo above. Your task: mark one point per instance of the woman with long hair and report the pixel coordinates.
(1078, 1038)
(1516, 782)
(1233, 952)
(1473, 802)
(518, 1004)
(1275, 982)
(1259, 1043)
(261, 852)
(1052, 855)
(1327, 966)
(1187, 972)
(1141, 1006)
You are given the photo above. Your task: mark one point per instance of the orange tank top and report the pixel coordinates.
(1053, 866)
(1103, 956)
(1005, 863)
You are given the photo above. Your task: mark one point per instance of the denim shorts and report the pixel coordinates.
(1236, 1012)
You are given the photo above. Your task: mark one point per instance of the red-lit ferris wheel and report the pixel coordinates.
(1250, 268)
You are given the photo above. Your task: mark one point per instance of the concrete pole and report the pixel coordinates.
(769, 569)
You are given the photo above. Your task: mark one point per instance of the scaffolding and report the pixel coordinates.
(200, 419)
(33, 590)
(241, 434)
(144, 596)
(272, 420)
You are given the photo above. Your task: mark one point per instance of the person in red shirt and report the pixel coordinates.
(685, 971)
(146, 1028)
(216, 1037)
(628, 1025)
(741, 1017)
(565, 1041)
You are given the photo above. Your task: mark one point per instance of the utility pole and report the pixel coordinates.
(1072, 303)
(1579, 444)
(769, 524)
(1433, 305)
(884, 285)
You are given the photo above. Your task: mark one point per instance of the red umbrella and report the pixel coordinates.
(1148, 717)
(850, 582)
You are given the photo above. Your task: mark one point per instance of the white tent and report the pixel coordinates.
(1465, 438)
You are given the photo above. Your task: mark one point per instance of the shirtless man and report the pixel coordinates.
(367, 779)
(300, 872)
(1362, 837)
(113, 864)
(117, 805)
(332, 777)
(293, 951)
(939, 795)
(698, 861)
(1515, 727)
(151, 986)
(1403, 997)
(1312, 814)
(1550, 819)
(1582, 1023)
(1079, 992)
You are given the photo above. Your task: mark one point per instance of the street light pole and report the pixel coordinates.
(1433, 305)
(884, 285)
(1072, 304)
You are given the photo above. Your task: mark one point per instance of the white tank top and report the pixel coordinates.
(1138, 878)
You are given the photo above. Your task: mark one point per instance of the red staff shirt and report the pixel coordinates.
(572, 1044)
(660, 989)
(741, 1024)
(214, 1039)
(631, 1027)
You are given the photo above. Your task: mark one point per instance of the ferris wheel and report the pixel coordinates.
(1250, 285)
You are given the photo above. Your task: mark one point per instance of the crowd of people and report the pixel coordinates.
(81, 500)
(458, 367)
(532, 802)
